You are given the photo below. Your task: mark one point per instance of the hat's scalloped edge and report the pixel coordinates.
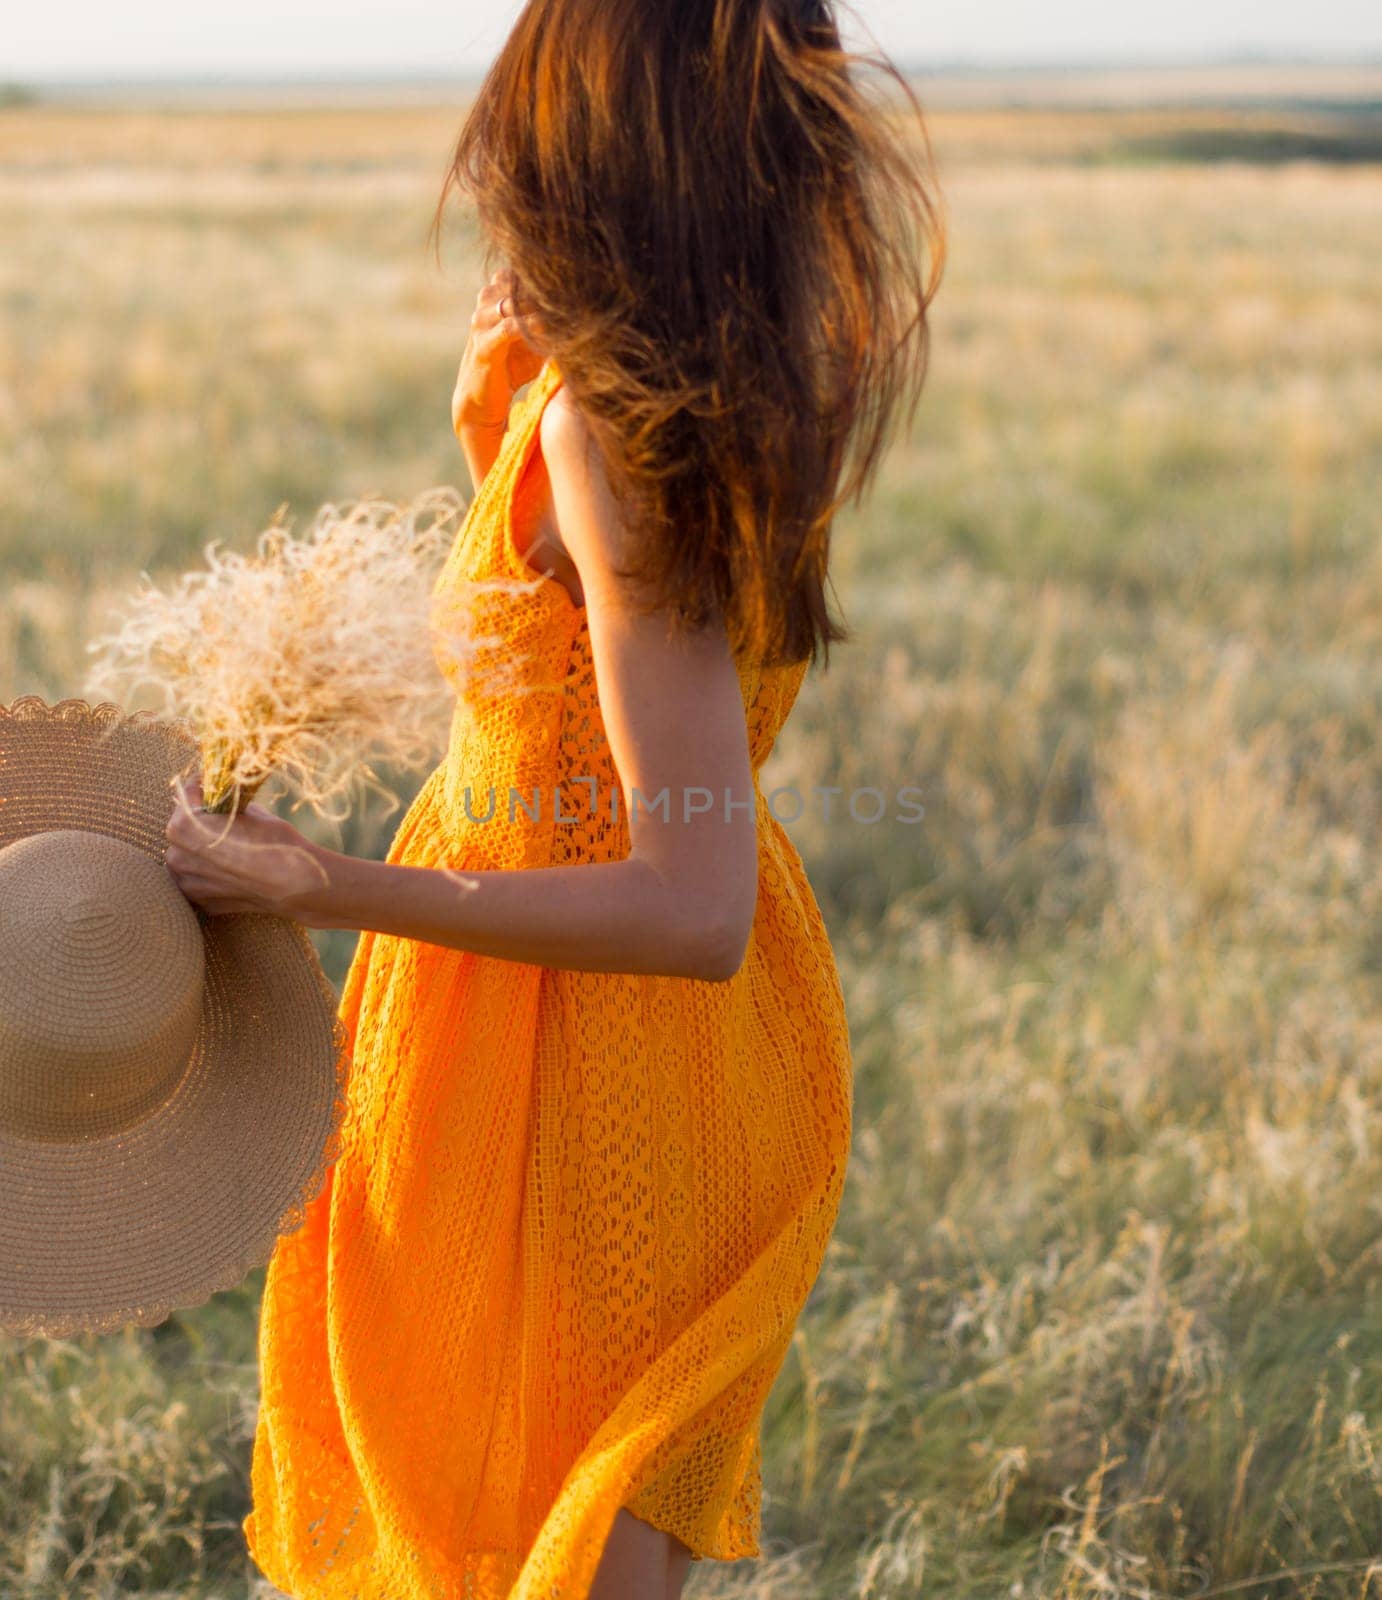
(260, 1249)
(105, 714)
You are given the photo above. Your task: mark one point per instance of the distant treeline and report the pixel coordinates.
(1339, 138)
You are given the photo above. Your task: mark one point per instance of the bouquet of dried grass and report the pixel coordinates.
(314, 658)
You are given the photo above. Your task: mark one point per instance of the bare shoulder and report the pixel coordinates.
(589, 525)
(568, 449)
(563, 428)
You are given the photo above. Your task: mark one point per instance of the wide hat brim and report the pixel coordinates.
(127, 1227)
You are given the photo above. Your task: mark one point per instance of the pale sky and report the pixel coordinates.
(95, 39)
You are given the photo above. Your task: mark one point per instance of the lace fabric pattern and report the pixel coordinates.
(557, 1266)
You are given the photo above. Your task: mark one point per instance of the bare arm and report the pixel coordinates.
(498, 359)
(681, 903)
(480, 444)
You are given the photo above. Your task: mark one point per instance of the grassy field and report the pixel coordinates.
(1103, 1313)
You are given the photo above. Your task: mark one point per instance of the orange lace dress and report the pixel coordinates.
(558, 1263)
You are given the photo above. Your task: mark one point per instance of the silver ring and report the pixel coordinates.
(502, 303)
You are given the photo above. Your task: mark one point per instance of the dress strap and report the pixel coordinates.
(519, 509)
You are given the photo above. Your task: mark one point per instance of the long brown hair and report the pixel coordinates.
(731, 247)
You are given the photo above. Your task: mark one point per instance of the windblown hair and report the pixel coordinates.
(731, 248)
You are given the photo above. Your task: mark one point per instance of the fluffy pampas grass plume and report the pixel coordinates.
(313, 658)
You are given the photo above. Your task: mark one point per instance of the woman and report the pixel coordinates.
(599, 1111)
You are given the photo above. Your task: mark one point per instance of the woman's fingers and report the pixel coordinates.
(498, 299)
(507, 319)
(502, 307)
(192, 845)
(500, 354)
(508, 343)
(502, 281)
(183, 795)
(207, 891)
(196, 830)
(217, 905)
(187, 869)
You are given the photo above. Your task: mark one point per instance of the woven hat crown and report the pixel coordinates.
(102, 968)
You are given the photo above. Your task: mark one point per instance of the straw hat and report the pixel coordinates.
(172, 1083)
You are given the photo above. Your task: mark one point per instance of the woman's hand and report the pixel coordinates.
(253, 861)
(501, 355)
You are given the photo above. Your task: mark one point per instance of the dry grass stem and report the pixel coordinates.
(315, 658)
